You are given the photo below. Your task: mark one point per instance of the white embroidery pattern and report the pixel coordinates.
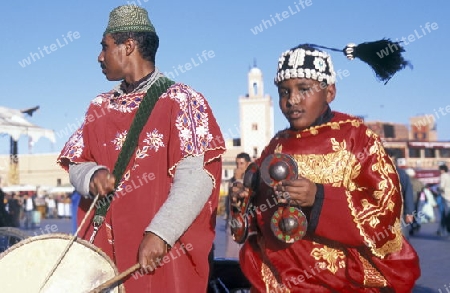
(119, 140)
(192, 121)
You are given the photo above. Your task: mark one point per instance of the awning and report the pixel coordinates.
(39, 189)
(13, 123)
(61, 189)
(18, 188)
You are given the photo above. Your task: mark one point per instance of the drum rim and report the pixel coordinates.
(121, 288)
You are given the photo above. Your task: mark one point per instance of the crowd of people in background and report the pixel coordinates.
(443, 201)
(25, 209)
(431, 201)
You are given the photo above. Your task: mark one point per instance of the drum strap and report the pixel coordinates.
(142, 114)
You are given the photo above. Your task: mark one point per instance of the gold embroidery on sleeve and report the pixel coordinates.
(335, 125)
(356, 122)
(340, 168)
(372, 277)
(271, 283)
(335, 259)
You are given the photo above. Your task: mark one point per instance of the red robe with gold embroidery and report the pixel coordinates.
(354, 242)
(181, 124)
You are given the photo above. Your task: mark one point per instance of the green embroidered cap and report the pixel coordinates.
(129, 18)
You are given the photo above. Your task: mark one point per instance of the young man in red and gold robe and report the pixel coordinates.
(162, 210)
(347, 188)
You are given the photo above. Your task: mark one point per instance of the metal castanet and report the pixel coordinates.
(288, 223)
(239, 212)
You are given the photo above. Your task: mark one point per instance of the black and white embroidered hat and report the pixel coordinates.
(305, 62)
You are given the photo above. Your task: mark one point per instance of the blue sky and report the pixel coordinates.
(61, 41)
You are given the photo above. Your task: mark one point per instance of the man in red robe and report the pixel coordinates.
(347, 187)
(162, 210)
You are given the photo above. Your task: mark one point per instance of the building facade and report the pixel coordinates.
(34, 169)
(415, 146)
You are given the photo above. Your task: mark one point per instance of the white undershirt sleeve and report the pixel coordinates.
(190, 191)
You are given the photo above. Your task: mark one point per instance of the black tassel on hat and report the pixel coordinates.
(384, 56)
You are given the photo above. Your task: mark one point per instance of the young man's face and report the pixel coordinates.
(241, 164)
(111, 59)
(303, 100)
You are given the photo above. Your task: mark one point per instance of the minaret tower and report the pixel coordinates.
(256, 115)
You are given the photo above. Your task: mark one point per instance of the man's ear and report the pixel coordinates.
(331, 93)
(130, 46)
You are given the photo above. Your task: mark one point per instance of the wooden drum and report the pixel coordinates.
(25, 266)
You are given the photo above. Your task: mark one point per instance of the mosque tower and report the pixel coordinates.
(256, 115)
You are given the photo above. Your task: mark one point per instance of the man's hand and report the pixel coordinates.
(151, 250)
(102, 183)
(409, 219)
(301, 192)
(238, 194)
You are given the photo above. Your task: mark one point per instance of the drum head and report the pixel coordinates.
(26, 265)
